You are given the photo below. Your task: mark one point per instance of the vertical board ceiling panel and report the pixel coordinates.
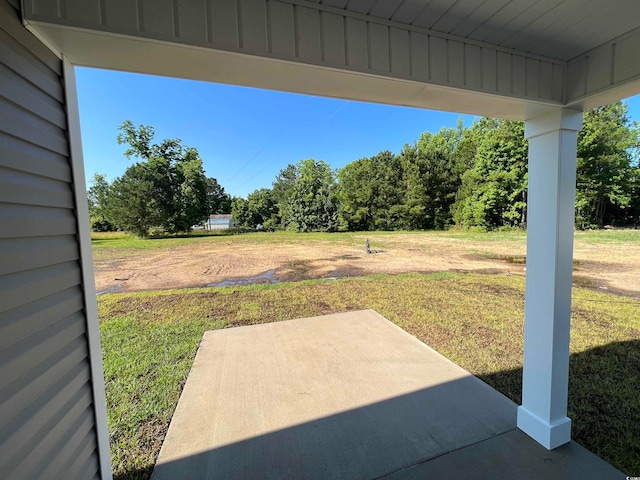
(532, 84)
(283, 40)
(473, 66)
(317, 35)
(82, 10)
(157, 16)
(626, 64)
(121, 14)
(600, 67)
(419, 48)
(356, 40)
(253, 25)
(399, 52)
(333, 34)
(503, 72)
(192, 20)
(518, 76)
(455, 61)
(223, 18)
(438, 59)
(379, 48)
(308, 28)
(489, 69)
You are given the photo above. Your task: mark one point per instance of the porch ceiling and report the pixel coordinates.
(558, 29)
(503, 58)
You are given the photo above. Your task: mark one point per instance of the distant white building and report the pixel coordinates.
(219, 222)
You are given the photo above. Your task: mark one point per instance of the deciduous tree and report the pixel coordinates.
(98, 198)
(168, 187)
(313, 203)
(607, 146)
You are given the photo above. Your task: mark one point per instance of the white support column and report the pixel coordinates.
(550, 222)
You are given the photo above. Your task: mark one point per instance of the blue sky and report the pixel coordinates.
(244, 136)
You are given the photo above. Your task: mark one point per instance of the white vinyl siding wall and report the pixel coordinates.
(47, 420)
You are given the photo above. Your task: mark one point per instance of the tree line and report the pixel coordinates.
(468, 177)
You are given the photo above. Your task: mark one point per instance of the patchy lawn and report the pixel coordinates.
(150, 340)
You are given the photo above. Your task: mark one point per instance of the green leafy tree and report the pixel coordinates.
(493, 193)
(259, 210)
(98, 198)
(370, 193)
(133, 200)
(432, 172)
(219, 200)
(605, 176)
(171, 181)
(281, 194)
(240, 212)
(313, 203)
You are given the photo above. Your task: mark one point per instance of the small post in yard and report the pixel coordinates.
(368, 246)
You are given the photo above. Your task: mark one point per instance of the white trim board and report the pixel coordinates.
(86, 260)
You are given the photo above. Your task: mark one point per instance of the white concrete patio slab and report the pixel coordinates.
(346, 396)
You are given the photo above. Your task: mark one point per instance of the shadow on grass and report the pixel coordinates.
(99, 241)
(604, 404)
(137, 474)
(203, 233)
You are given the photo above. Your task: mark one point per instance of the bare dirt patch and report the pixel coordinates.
(614, 267)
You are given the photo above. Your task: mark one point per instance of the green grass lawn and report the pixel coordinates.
(149, 340)
(122, 240)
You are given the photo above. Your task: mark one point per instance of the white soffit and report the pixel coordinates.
(560, 29)
(504, 58)
(100, 50)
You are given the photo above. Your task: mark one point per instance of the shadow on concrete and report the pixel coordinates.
(365, 442)
(419, 435)
(604, 404)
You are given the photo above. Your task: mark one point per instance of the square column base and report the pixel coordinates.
(549, 435)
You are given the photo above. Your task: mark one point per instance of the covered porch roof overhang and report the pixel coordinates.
(543, 62)
(448, 55)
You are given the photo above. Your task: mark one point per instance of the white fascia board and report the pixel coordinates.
(297, 32)
(147, 56)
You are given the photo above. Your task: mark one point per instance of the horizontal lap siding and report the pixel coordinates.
(47, 421)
